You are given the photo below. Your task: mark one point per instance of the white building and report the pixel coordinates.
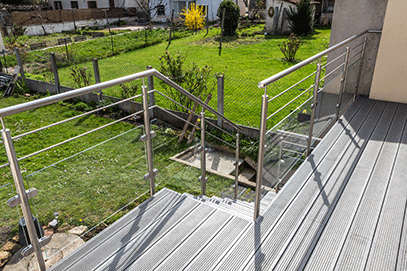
(164, 12)
(83, 4)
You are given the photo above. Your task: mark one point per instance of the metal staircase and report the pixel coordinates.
(169, 231)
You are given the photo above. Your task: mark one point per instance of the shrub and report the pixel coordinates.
(127, 91)
(195, 79)
(302, 19)
(193, 17)
(232, 13)
(290, 47)
(81, 76)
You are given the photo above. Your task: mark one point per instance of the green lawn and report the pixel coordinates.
(90, 178)
(246, 60)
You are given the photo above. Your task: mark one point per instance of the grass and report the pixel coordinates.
(92, 177)
(247, 60)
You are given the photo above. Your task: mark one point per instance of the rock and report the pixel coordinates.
(64, 227)
(11, 247)
(4, 257)
(27, 95)
(78, 230)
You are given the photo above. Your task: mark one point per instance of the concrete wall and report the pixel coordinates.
(36, 30)
(352, 17)
(389, 79)
(277, 24)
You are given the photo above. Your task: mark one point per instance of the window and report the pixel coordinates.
(74, 5)
(57, 5)
(160, 10)
(92, 4)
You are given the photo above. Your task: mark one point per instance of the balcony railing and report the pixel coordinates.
(302, 112)
(144, 99)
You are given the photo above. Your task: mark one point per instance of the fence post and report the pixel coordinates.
(97, 77)
(221, 97)
(151, 94)
(20, 63)
(152, 172)
(203, 179)
(259, 177)
(23, 197)
(55, 70)
(314, 108)
(343, 81)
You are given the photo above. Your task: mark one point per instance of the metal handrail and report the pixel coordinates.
(4, 112)
(292, 69)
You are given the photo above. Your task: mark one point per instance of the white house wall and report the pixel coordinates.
(213, 6)
(82, 4)
(277, 24)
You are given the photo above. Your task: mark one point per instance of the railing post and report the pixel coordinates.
(151, 94)
(314, 108)
(22, 195)
(259, 177)
(221, 88)
(203, 179)
(360, 69)
(237, 164)
(20, 63)
(280, 154)
(97, 76)
(152, 172)
(55, 70)
(343, 81)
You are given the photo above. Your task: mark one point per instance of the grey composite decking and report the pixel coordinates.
(343, 209)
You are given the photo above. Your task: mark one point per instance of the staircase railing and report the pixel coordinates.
(340, 74)
(146, 96)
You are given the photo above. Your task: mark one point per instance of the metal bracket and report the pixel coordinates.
(147, 176)
(14, 201)
(200, 178)
(143, 138)
(30, 249)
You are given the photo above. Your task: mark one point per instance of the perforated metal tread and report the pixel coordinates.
(143, 214)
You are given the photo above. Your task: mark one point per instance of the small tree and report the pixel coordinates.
(302, 18)
(232, 13)
(290, 47)
(194, 17)
(195, 79)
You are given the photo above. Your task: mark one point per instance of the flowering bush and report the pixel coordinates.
(194, 17)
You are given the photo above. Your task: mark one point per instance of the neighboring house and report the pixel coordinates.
(276, 15)
(166, 6)
(82, 4)
(324, 12)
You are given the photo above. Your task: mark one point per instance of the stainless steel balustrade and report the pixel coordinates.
(147, 110)
(345, 62)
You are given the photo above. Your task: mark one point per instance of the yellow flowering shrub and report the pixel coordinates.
(194, 17)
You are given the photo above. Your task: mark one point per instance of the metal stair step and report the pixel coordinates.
(214, 251)
(88, 255)
(173, 238)
(195, 243)
(125, 245)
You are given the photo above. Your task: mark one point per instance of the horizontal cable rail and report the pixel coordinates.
(189, 110)
(76, 117)
(332, 61)
(74, 138)
(290, 70)
(72, 94)
(296, 84)
(290, 102)
(334, 70)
